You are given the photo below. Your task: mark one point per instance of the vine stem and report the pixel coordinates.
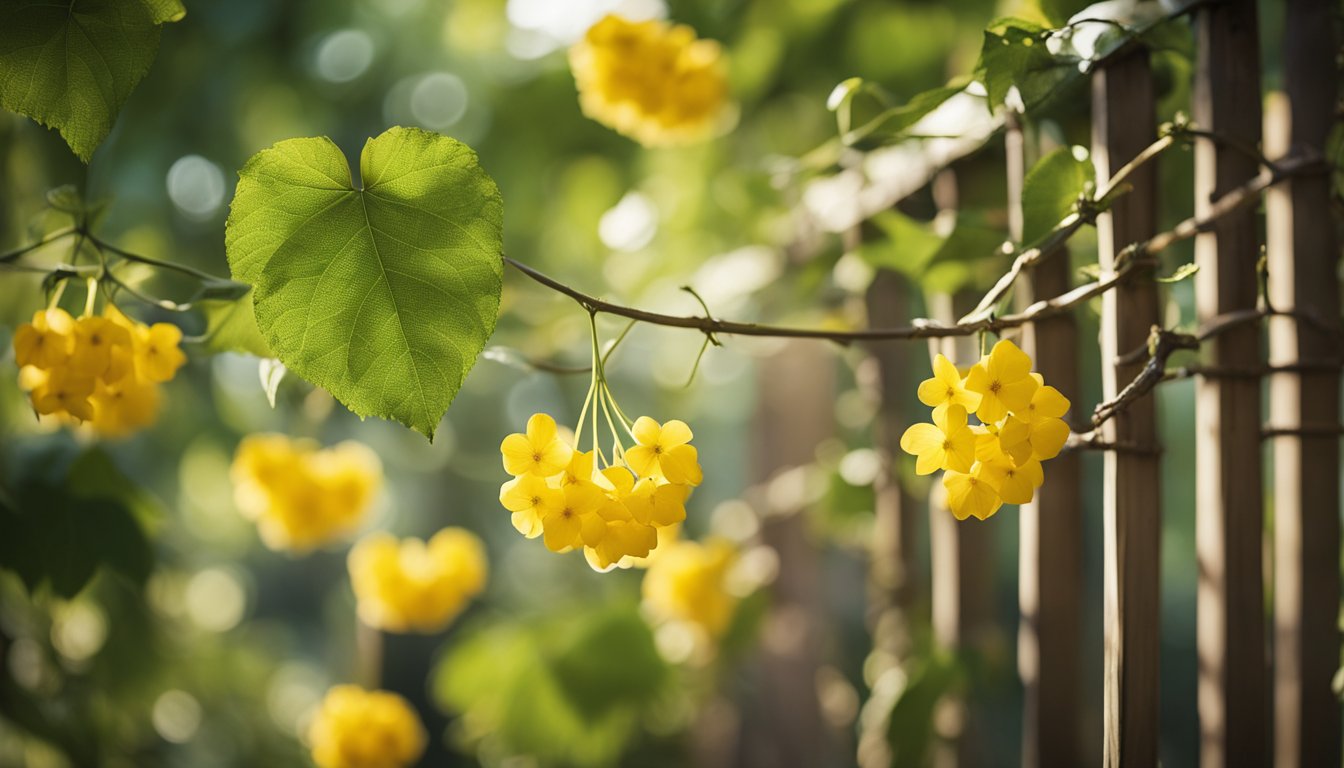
(1135, 254)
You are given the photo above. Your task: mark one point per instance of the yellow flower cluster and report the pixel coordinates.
(356, 728)
(650, 80)
(999, 460)
(301, 496)
(688, 584)
(614, 512)
(104, 370)
(410, 585)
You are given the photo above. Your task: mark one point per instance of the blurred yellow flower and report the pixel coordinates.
(650, 80)
(410, 585)
(301, 496)
(46, 342)
(355, 728)
(689, 584)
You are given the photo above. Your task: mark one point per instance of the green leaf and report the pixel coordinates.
(231, 327)
(908, 247)
(383, 294)
(71, 66)
(60, 534)
(165, 10)
(895, 122)
(1181, 273)
(1014, 53)
(610, 662)
(1051, 190)
(569, 689)
(910, 729)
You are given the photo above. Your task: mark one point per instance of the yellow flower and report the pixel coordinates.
(688, 583)
(410, 585)
(563, 525)
(947, 443)
(46, 342)
(62, 391)
(530, 499)
(1015, 483)
(540, 452)
(302, 497)
(653, 504)
(946, 388)
(621, 538)
(102, 348)
(970, 496)
(124, 406)
(157, 354)
(664, 452)
(1040, 425)
(355, 728)
(650, 80)
(1004, 382)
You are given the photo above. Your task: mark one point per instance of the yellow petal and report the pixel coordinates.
(1015, 439)
(540, 429)
(991, 409)
(1009, 362)
(675, 432)
(951, 418)
(931, 462)
(554, 458)
(1015, 487)
(1016, 395)
(560, 531)
(934, 392)
(1048, 437)
(646, 431)
(681, 465)
(1047, 402)
(528, 523)
(961, 455)
(518, 454)
(977, 379)
(919, 439)
(642, 460)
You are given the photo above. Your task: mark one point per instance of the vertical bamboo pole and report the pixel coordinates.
(960, 552)
(790, 732)
(1050, 564)
(1123, 124)
(961, 559)
(893, 568)
(1233, 667)
(894, 571)
(1303, 261)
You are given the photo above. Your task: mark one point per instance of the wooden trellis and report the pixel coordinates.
(1252, 712)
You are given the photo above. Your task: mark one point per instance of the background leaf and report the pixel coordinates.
(72, 67)
(231, 327)
(61, 533)
(1051, 190)
(384, 294)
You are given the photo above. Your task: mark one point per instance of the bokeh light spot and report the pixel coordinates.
(196, 186)
(344, 55)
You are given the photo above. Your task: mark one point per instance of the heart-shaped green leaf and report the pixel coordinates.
(71, 66)
(384, 294)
